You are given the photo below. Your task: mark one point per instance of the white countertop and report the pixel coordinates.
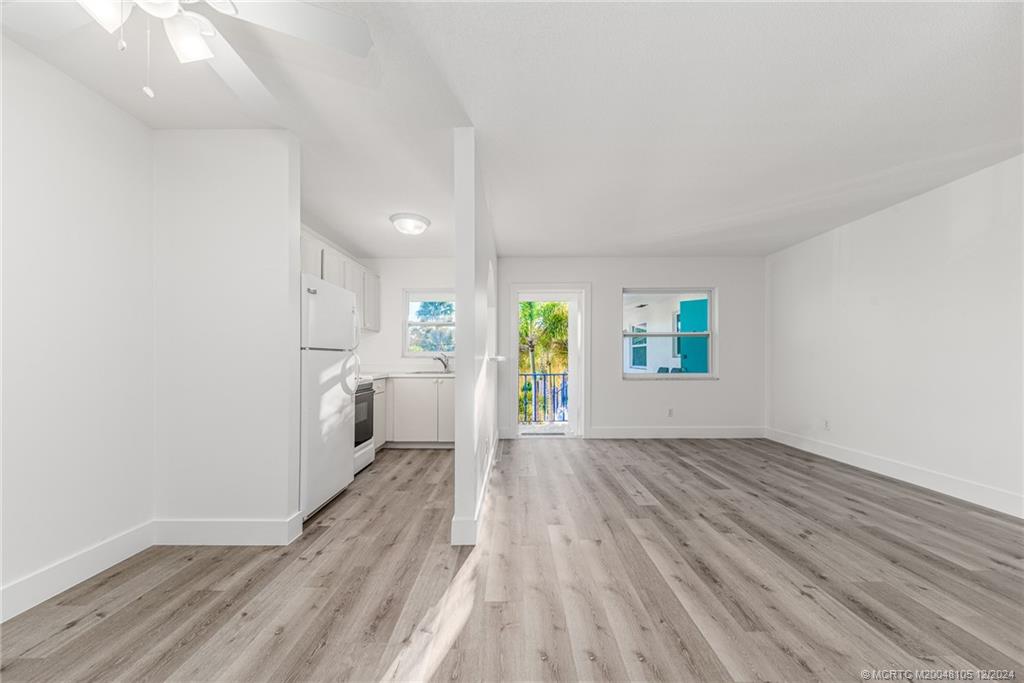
(423, 374)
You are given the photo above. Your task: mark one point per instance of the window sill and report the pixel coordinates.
(669, 376)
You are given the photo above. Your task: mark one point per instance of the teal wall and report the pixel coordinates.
(693, 351)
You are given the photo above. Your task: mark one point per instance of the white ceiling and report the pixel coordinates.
(721, 128)
(608, 128)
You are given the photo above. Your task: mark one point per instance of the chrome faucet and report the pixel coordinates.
(445, 360)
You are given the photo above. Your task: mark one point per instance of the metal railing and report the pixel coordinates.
(543, 397)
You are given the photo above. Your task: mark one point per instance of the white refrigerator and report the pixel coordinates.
(330, 367)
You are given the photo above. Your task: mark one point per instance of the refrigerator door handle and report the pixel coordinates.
(350, 387)
(356, 323)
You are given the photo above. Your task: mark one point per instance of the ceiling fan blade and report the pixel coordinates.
(109, 14)
(161, 9)
(185, 35)
(224, 6)
(237, 75)
(307, 22)
(43, 20)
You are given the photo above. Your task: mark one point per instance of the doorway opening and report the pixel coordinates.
(547, 386)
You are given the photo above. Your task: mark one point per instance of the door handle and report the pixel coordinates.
(310, 290)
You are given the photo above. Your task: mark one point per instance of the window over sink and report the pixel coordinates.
(429, 322)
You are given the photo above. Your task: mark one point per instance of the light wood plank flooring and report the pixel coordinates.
(617, 560)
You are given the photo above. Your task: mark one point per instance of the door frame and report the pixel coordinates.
(580, 291)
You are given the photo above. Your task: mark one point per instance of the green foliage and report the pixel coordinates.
(432, 339)
(543, 336)
(435, 311)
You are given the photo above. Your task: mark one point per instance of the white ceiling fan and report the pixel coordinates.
(193, 36)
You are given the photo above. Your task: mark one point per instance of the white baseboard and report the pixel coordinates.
(464, 529)
(987, 496)
(674, 432)
(227, 531)
(41, 585)
(422, 445)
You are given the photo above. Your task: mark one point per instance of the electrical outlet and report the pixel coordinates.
(828, 427)
(671, 412)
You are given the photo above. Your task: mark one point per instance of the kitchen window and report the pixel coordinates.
(669, 333)
(429, 323)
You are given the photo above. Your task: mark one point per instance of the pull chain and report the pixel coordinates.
(121, 45)
(146, 88)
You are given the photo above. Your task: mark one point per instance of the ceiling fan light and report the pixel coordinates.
(107, 13)
(186, 39)
(161, 9)
(410, 223)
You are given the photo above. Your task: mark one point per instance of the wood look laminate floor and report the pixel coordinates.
(619, 560)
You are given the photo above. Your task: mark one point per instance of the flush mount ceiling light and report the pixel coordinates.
(410, 223)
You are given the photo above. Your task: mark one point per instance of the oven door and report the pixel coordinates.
(364, 415)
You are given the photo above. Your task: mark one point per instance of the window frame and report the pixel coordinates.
(675, 326)
(711, 334)
(634, 345)
(410, 295)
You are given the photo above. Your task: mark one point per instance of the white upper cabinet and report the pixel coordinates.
(312, 251)
(371, 297)
(354, 283)
(324, 261)
(334, 268)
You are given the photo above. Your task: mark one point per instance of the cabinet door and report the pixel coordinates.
(354, 283)
(371, 297)
(415, 402)
(380, 419)
(334, 267)
(312, 255)
(446, 410)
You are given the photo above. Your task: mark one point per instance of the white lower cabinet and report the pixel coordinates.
(446, 409)
(424, 409)
(380, 413)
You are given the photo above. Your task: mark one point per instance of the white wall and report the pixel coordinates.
(903, 331)
(730, 406)
(383, 350)
(77, 332)
(226, 223)
(475, 338)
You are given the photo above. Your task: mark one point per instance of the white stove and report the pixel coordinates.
(364, 449)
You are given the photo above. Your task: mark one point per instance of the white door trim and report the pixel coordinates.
(553, 291)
